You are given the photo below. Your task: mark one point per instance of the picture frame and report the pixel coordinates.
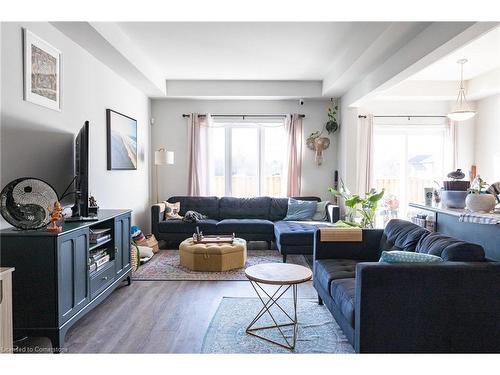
(42, 72)
(121, 141)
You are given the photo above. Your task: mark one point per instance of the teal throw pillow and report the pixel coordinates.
(397, 256)
(300, 210)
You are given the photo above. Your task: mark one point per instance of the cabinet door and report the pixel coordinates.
(125, 242)
(118, 246)
(73, 288)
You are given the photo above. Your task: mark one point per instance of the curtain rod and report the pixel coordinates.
(364, 116)
(235, 115)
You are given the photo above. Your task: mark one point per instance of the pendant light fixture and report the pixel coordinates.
(462, 110)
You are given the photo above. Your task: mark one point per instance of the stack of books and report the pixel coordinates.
(97, 259)
(98, 236)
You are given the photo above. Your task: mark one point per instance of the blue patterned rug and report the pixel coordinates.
(318, 331)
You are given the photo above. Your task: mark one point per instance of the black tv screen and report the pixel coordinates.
(82, 170)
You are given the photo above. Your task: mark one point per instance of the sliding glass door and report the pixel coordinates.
(408, 158)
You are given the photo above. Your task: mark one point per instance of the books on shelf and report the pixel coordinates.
(97, 259)
(99, 235)
(100, 239)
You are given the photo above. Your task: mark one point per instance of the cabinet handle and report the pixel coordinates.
(116, 249)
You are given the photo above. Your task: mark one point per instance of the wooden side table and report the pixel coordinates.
(6, 310)
(285, 276)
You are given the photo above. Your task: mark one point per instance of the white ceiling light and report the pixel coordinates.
(462, 110)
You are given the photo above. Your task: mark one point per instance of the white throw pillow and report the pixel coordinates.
(320, 214)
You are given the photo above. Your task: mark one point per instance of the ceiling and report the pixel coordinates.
(273, 59)
(439, 81)
(483, 55)
(246, 51)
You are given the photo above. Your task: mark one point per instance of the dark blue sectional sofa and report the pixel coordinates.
(254, 219)
(452, 306)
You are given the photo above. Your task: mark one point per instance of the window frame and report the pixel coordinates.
(407, 128)
(229, 124)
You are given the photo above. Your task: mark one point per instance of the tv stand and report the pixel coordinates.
(52, 287)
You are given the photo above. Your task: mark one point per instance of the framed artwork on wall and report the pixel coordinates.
(42, 72)
(122, 141)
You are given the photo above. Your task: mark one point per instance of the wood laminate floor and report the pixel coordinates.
(157, 316)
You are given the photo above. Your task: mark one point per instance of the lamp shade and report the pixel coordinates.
(164, 157)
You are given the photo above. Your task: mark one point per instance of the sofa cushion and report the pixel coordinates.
(208, 206)
(295, 232)
(343, 292)
(401, 235)
(398, 256)
(244, 208)
(245, 226)
(326, 270)
(300, 210)
(450, 249)
(178, 226)
(279, 206)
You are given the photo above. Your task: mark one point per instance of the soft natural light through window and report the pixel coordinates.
(408, 158)
(253, 152)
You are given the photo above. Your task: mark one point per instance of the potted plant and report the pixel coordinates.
(356, 205)
(479, 199)
(332, 125)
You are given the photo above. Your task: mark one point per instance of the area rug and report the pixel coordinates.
(318, 331)
(165, 266)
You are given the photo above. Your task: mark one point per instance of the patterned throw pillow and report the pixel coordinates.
(397, 256)
(172, 211)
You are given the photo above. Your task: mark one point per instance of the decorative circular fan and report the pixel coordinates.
(26, 203)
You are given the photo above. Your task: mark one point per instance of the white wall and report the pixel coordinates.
(170, 131)
(487, 138)
(38, 142)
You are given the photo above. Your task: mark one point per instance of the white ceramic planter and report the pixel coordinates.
(480, 202)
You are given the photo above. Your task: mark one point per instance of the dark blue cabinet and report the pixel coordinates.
(52, 287)
(73, 278)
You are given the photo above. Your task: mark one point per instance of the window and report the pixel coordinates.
(408, 157)
(246, 158)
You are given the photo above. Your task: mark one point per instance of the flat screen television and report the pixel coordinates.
(80, 210)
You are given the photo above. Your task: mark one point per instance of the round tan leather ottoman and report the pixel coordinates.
(213, 257)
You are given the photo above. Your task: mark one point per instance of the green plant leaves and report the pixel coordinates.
(366, 206)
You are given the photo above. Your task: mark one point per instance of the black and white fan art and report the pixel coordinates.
(26, 203)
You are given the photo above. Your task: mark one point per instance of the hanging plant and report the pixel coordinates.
(332, 125)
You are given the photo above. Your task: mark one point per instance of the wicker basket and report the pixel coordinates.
(134, 257)
(150, 241)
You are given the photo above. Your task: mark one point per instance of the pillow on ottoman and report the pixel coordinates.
(397, 256)
(300, 210)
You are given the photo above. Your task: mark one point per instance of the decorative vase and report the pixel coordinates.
(453, 198)
(480, 202)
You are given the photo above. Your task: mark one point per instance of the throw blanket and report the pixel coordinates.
(193, 217)
(480, 218)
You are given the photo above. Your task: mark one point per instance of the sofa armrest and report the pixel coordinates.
(157, 215)
(367, 249)
(332, 213)
(433, 308)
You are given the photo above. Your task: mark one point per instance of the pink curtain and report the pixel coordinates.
(293, 128)
(197, 150)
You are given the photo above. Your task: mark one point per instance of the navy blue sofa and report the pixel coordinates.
(453, 306)
(254, 219)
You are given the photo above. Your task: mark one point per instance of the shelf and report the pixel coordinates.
(96, 245)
